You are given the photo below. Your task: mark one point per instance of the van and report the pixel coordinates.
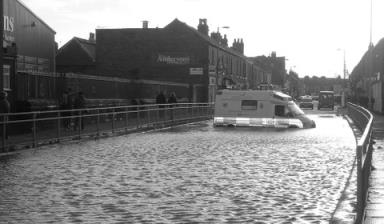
(326, 100)
(259, 108)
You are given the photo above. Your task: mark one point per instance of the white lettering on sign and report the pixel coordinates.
(9, 23)
(196, 71)
(173, 60)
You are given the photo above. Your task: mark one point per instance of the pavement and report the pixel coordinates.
(374, 211)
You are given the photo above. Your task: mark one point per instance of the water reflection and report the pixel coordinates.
(187, 174)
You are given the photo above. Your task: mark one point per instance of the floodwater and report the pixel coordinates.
(188, 174)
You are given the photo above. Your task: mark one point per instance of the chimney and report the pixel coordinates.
(203, 26)
(92, 37)
(241, 46)
(145, 24)
(225, 40)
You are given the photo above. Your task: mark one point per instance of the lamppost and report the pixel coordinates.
(344, 79)
(224, 27)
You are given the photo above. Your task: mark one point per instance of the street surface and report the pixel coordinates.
(191, 173)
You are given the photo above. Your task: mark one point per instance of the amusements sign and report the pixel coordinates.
(172, 59)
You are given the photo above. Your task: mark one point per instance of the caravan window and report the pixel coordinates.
(283, 111)
(249, 105)
(279, 110)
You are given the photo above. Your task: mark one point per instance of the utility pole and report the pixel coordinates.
(370, 62)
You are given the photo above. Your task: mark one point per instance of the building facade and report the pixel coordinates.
(177, 58)
(29, 58)
(275, 65)
(367, 79)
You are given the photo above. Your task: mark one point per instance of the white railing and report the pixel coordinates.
(363, 119)
(20, 130)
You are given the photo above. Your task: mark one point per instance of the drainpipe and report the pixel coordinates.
(1, 42)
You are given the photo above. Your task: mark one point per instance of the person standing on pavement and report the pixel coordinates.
(172, 100)
(5, 108)
(160, 99)
(66, 105)
(80, 104)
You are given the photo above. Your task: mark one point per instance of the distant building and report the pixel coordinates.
(139, 62)
(312, 86)
(29, 58)
(275, 65)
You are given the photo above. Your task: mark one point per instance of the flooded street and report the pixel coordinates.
(188, 174)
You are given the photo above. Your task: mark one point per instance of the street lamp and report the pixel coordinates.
(344, 80)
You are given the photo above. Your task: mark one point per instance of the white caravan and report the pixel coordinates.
(259, 108)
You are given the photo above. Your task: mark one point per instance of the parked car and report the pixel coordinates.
(306, 102)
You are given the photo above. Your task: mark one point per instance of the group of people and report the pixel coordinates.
(161, 99)
(70, 100)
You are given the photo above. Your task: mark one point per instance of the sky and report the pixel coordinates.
(313, 35)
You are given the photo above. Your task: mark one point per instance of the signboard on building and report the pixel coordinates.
(173, 60)
(212, 70)
(212, 81)
(196, 71)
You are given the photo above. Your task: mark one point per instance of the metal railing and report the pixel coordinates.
(24, 130)
(363, 119)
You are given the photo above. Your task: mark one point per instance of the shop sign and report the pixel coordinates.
(212, 70)
(172, 60)
(196, 71)
(9, 26)
(212, 81)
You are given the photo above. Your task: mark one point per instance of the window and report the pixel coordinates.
(6, 77)
(279, 110)
(284, 111)
(249, 105)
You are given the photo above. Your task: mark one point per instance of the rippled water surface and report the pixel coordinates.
(188, 174)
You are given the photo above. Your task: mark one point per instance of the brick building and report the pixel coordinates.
(275, 65)
(29, 58)
(177, 58)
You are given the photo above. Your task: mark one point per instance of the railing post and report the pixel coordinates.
(192, 111)
(113, 120)
(80, 122)
(126, 119)
(148, 116)
(58, 126)
(4, 135)
(98, 123)
(359, 190)
(34, 127)
(157, 116)
(138, 118)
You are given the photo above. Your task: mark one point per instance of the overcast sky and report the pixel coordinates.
(307, 32)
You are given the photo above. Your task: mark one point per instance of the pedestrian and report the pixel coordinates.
(160, 100)
(172, 100)
(66, 106)
(80, 103)
(4, 110)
